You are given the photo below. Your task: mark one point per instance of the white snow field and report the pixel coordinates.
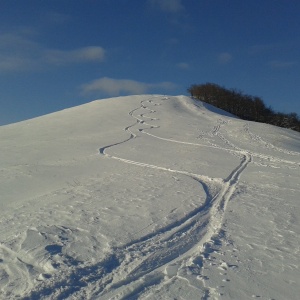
(149, 197)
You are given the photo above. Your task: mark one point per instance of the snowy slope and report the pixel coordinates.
(148, 197)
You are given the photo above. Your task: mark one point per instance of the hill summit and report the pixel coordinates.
(148, 197)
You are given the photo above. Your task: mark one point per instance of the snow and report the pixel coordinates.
(148, 197)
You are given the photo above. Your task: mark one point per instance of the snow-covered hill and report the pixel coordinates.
(148, 197)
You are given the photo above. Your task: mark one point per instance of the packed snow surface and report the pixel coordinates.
(149, 197)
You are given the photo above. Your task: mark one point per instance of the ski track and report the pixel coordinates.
(259, 139)
(193, 232)
(157, 258)
(134, 267)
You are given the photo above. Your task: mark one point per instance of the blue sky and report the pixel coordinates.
(59, 54)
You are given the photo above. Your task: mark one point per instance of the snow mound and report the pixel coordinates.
(148, 197)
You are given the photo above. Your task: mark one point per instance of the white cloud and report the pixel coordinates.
(115, 87)
(170, 6)
(19, 51)
(224, 58)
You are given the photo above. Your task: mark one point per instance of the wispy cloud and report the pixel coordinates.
(86, 54)
(169, 6)
(269, 51)
(18, 41)
(277, 64)
(224, 58)
(14, 63)
(175, 12)
(270, 48)
(56, 18)
(172, 41)
(19, 52)
(258, 49)
(183, 66)
(116, 87)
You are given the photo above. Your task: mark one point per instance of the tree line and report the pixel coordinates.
(244, 106)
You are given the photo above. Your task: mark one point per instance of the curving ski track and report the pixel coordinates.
(154, 259)
(179, 240)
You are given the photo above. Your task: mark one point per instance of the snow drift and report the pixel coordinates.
(148, 197)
